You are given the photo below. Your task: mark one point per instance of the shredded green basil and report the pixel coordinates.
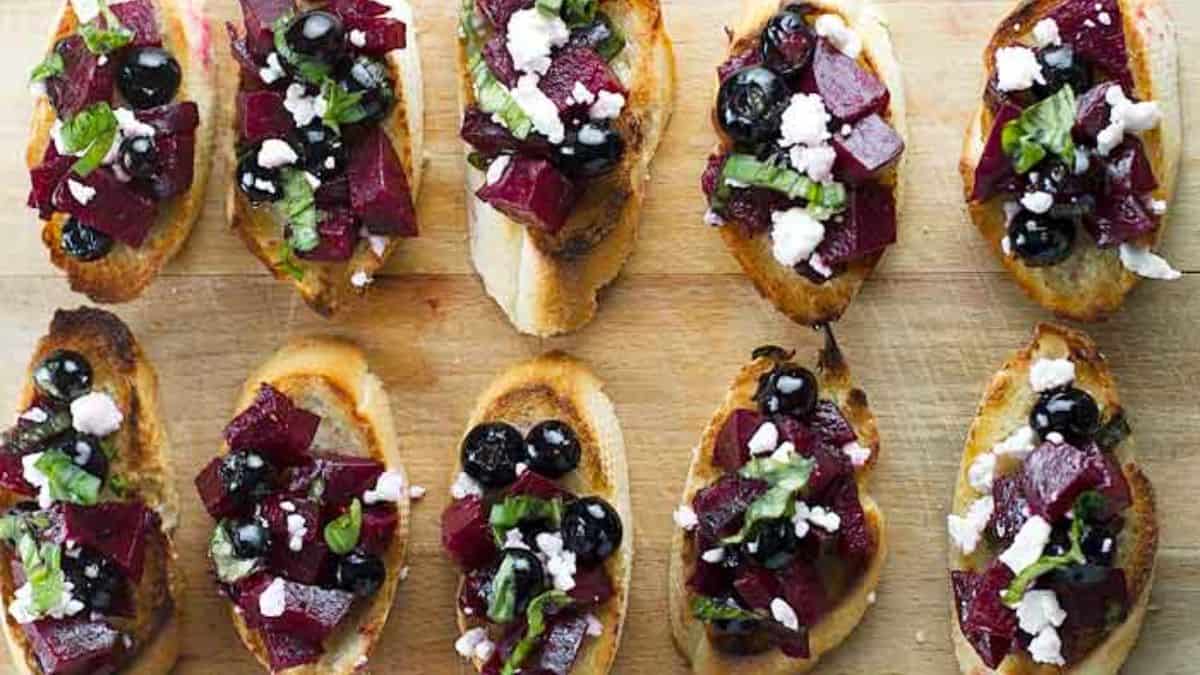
(491, 95)
(299, 208)
(1086, 506)
(342, 532)
(91, 132)
(310, 70)
(108, 39)
(535, 619)
(785, 479)
(1041, 129)
(824, 199)
(502, 601)
(341, 106)
(520, 508)
(68, 481)
(710, 609)
(52, 66)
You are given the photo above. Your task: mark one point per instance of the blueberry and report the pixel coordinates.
(591, 529)
(490, 453)
(361, 574)
(250, 538)
(592, 150)
(323, 151)
(318, 35)
(1041, 241)
(788, 42)
(750, 105)
(139, 156)
(1061, 67)
(1071, 412)
(552, 448)
(84, 243)
(259, 184)
(788, 389)
(245, 475)
(64, 375)
(149, 77)
(773, 543)
(370, 77)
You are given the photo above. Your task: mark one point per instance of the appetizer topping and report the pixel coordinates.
(553, 449)
(1046, 34)
(96, 413)
(966, 530)
(84, 243)
(1047, 374)
(1017, 69)
(63, 375)
(591, 529)
(788, 42)
(149, 77)
(490, 453)
(751, 104)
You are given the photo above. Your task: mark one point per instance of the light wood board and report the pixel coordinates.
(928, 330)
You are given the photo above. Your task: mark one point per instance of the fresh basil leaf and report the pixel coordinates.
(342, 532)
(749, 171)
(287, 263)
(230, 568)
(1089, 506)
(535, 620)
(341, 106)
(1043, 128)
(53, 66)
(521, 508)
(119, 485)
(68, 481)
(576, 12)
(550, 7)
(710, 609)
(785, 478)
(490, 94)
(310, 70)
(502, 601)
(298, 208)
(91, 132)
(109, 38)
(1048, 563)
(14, 526)
(44, 574)
(614, 44)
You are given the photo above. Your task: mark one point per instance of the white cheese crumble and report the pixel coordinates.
(1046, 647)
(608, 106)
(1038, 202)
(591, 135)
(1045, 33)
(805, 121)
(1145, 263)
(795, 235)
(1028, 545)
(358, 38)
(594, 627)
(532, 34)
(130, 126)
(782, 612)
(514, 539)
(467, 644)
(360, 279)
(96, 413)
(1017, 69)
(273, 71)
(416, 492)
(1055, 438)
(464, 486)
(834, 29)
(496, 169)
(713, 556)
(35, 415)
(389, 487)
(80, 192)
(824, 519)
(582, 95)
(273, 600)
(540, 109)
(274, 153)
(858, 454)
(965, 531)
(21, 608)
(296, 531)
(1047, 374)
(685, 518)
(1018, 444)
(560, 563)
(815, 161)
(1038, 609)
(819, 265)
(304, 109)
(982, 472)
(1125, 116)
(765, 439)
(86, 10)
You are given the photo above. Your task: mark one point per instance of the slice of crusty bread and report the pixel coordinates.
(120, 368)
(547, 285)
(556, 386)
(331, 378)
(1004, 408)
(125, 272)
(326, 286)
(691, 638)
(791, 293)
(1092, 283)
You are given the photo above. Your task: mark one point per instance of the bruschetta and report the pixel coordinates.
(540, 524)
(1053, 531)
(88, 571)
(329, 133)
(806, 182)
(312, 505)
(1069, 167)
(778, 546)
(121, 140)
(564, 105)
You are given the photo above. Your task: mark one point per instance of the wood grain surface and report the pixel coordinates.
(928, 330)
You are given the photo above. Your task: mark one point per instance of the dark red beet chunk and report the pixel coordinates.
(756, 586)
(803, 590)
(1129, 170)
(499, 59)
(828, 421)
(532, 192)
(346, 477)
(1011, 509)
(334, 193)
(172, 118)
(250, 78)
(116, 209)
(1054, 476)
(310, 612)
(500, 11)
(871, 147)
(562, 643)
(854, 537)
(534, 484)
(140, 17)
(711, 580)
(12, 475)
(721, 506)
(285, 650)
(217, 500)
(850, 92)
(1118, 219)
(803, 438)
(274, 426)
(1112, 485)
(751, 56)
(73, 646)
(466, 534)
(712, 173)
(868, 227)
(988, 624)
(1100, 44)
(831, 464)
(995, 168)
(378, 528)
(295, 565)
(473, 596)
(577, 65)
(592, 586)
(244, 593)
(260, 17)
(176, 166)
(1094, 598)
(45, 178)
(751, 208)
(261, 115)
(339, 235)
(116, 530)
(1092, 113)
(84, 80)
(490, 138)
(380, 35)
(731, 451)
(379, 190)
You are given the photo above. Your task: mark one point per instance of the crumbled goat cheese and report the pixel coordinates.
(800, 520)
(1157, 206)
(819, 265)
(795, 235)
(37, 479)
(1006, 245)
(965, 531)
(591, 135)
(982, 472)
(1125, 116)
(713, 556)
(560, 563)
(1104, 18)
(416, 492)
(514, 539)
(80, 192)
(765, 439)
(608, 106)
(805, 121)
(130, 126)
(582, 95)
(464, 486)
(304, 109)
(484, 650)
(378, 243)
(496, 169)
(871, 598)
(96, 413)
(858, 454)
(273, 600)
(358, 38)
(275, 153)
(1145, 263)
(1047, 374)
(1046, 647)
(594, 627)
(287, 507)
(21, 607)
(466, 644)
(35, 415)
(522, 467)
(816, 161)
(86, 10)
(389, 487)
(403, 573)
(1018, 444)
(1038, 202)
(1055, 437)
(540, 109)
(273, 71)
(834, 29)
(782, 612)
(360, 279)
(1045, 33)
(532, 34)
(1028, 545)
(686, 518)
(713, 219)
(312, 180)
(1039, 609)
(296, 531)
(1017, 69)
(824, 519)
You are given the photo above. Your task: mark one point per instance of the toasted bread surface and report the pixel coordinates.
(689, 633)
(327, 286)
(557, 386)
(1004, 408)
(547, 285)
(125, 272)
(798, 298)
(1091, 284)
(120, 369)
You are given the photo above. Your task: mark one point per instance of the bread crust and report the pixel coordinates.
(1005, 407)
(125, 272)
(547, 285)
(798, 298)
(1091, 284)
(327, 286)
(689, 633)
(121, 369)
(557, 386)
(331, 377)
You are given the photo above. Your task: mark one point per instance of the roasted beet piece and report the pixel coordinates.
(995, 168)
(803, 438)
(868, 226)
(712, 173)
(172, 118)
(1118, 219)
(1094, 598)
(499, 60)
(244, 593)
(562, 643)
(261, 115)
(45, 178)
(260, 17)
(473, 595)
(535, 484)
(1092, 113)
(756, 587)
(1055, 474)
(116, 530)
(339, 235)
(731, 450)
(176, 166)
(827, 420)
(295, 563)
(285, 650)
(855, 540)
(751, 208)
(12, 475)
(721, 506)
(532, 192)
(1112, 484)
(1011, 509)
(378, 528)
(491, 138)
(850, 91)
(73, 646)
(711, 580)
(214, 492)
(830, 466)
(500, 11)
(116, 209)
(346, 476)
(273, 426)
(592, 586)
(310, 612)
(577, 65)
(379, 190)
(872, 146)
(380, 34)
(804, 591)
(466, 534)
(1099, 43)
(140, 17)
(751, 56)
(1129, 170)
(988, 624)
(248, 67)
(85, 80)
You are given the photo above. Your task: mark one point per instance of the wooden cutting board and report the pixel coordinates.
(928, 330)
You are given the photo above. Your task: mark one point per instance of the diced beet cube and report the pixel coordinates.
(285, 650)
(116, 530)
(140, 17)
(831, 465)
(261, 115)
(751, 56)
(829, 422)
(1118, 219)
(711, 580)
(218, 501)
(500, 11)
(577, 65)
(756, 586)
(260, 17)
(988, 624)
(346, 477)
(1094, 599)
(334, 193)
(244, 593)
(348, 9)
(534, 484)
(380, 35)
(804, 439)
(855, 540)
(1096, 42)
(116, 209)
(379, 525)
(850, 91)
(869, 226)
(491, 138)
(45, 178)
(804, 591)
(1055, 474)
(499, 59)
(310, 613)
(295, 562)
(73, 646)
(732, 451)
(248, 66)
(379, 190)
(712, 173)
(338, 231)
(12, 475)
(751, 208)
(1129, 170)
(473, 595)
(793, 643)
(872, 146)
(467, 534)
(275, 427)
(84, 81)
(172, 118)
(1092, 112)
(532, 192)
(721, 506)
(176, 165)
(592, 586)
(1011, 509)
(1112, 485)
(562, 643)
(995, 168)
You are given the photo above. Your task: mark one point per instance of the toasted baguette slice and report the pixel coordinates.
(1092, 283)
(330, 377)
(326, 286)
(1005, 407)
(547, 285)
(125, 272)
(691, 638)
(120, 369)
(556, 386)
(791, 293)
